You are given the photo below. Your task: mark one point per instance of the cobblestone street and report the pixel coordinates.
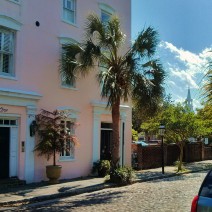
(170, 194)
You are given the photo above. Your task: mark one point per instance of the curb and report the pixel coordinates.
(58, 195)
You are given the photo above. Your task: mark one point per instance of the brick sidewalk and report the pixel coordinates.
(40, 192)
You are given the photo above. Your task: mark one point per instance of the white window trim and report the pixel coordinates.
(67, 21)
(18, 97)
(66, 159)
(73, 116)
(107, 8)
(10, 23)
(13, 25)
(16, 2)
(66, 40)
(9, 77)
(69, 157)
(11, 53)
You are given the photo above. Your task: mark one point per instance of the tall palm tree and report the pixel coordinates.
(122, 75)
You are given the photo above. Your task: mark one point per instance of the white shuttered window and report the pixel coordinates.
(69, 11)
(6, 52)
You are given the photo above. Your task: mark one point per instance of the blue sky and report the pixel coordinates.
(185, 34)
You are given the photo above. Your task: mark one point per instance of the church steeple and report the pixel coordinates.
(189, 100)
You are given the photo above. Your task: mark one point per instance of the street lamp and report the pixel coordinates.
(161, 132)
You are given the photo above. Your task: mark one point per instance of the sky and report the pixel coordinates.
(185, 34)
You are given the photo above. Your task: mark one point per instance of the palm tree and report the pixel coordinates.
(122, 75)
(208, 85)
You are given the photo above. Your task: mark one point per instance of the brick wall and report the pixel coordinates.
(151, 156)
(193, 152)
(173, 153)
(208, 153)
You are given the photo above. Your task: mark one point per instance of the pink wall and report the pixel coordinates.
(37, 53)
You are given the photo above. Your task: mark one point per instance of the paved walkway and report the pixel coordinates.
(42, 191)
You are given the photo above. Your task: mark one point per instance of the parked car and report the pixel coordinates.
(154, 142)
(142, 143)
(203, 201)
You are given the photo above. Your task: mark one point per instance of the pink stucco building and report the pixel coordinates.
(32, 33)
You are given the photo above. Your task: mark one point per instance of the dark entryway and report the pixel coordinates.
(4, 152)
(106, 139)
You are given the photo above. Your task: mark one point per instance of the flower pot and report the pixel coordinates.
(53, 173)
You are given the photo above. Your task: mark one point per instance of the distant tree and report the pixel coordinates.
(180, 125)
(122, 72)
(134, 135)
(205, 115)
(141, 116)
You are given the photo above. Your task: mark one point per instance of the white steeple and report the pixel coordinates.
(189, 100)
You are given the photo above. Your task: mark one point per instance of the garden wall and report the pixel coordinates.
(151, 156)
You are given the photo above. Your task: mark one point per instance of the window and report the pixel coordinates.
(65, 82)
(12, 122)
(69, 11)
(106, 12)
(6, 52)
(206, 188)
(105, 16)
(68, 149)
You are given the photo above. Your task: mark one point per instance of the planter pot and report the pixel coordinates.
(53, 173)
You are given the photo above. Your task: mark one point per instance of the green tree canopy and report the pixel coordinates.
(180, 125)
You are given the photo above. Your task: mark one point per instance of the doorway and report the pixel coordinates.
(4, 152)
(106, 140)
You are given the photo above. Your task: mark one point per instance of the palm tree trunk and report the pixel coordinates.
(115, 141)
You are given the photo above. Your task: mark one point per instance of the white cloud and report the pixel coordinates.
(186, 56)
(184, 77)
(185, 69)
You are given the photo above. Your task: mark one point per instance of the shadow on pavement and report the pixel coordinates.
(77, 202)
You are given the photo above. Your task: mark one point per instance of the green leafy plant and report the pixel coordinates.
(52, 133)
(102, 167)
(122, 176)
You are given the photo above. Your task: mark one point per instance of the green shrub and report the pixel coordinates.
(122, 176)
(102, 167)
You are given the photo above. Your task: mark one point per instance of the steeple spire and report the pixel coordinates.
(189, 100)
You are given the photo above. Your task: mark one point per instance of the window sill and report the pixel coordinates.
(70, 88)
(67, 159)
(68, 22)
(8, 77)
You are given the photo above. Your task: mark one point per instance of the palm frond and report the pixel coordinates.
(146, 42)
(115, 33)
(148, 86)
(208, 86)
(69, 62)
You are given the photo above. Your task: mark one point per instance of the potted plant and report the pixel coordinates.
(52, 134)
(102, 167)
